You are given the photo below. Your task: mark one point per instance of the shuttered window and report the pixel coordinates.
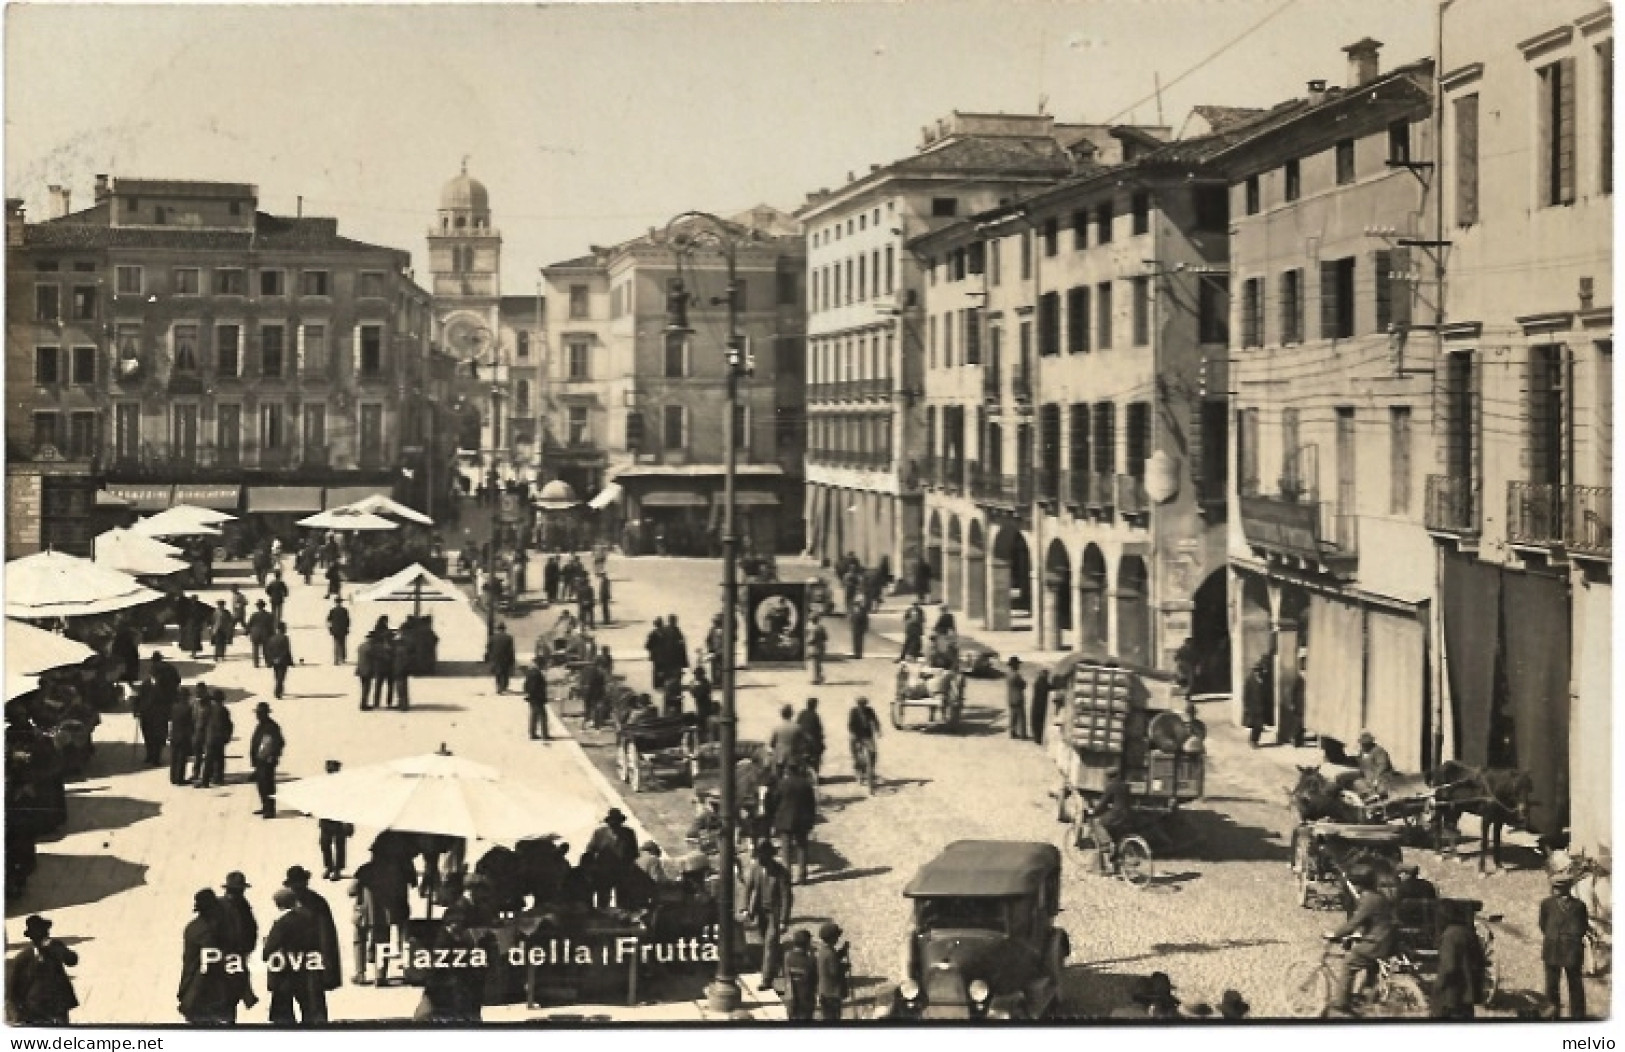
(1138, 437)
(1103, 315)
(1292, 306)
(1337, 299)
(1466, 111)
(1399, 459)
(1605, 116)
(1078, 438)
(1252, 303)
(1077, 319)
(1393, 288)
(973, 336)
(1049, 324)
(1105, 421)
(1247, 451)
(1556, 131)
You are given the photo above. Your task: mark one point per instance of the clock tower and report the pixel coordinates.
(465, 257)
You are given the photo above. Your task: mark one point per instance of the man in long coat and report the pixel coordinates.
(217, 731)
(858, 622)
(182, 731)
(222, 631)
(499, 654)
(38, 989)
(294, 936)
(793, 819)
(238, 932)
(279, 655)
(205, 994)
(298, 881)
(156, 699)
(265, 753)
(610, 853)
(654, 644)
(261, 626)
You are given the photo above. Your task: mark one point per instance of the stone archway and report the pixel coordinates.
(1133, 612)
(952, 568)
(1094, 620)
(1057, 596)
(1009, 579)
(933, 551)
(1210, 634)
(1254, 632)
(975, 571)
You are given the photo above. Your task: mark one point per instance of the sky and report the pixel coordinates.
(589, 123)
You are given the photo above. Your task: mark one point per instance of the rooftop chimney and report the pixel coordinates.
(16, 220)
(59, 201)
(103, 190)
(1363, 65)
(1317, 92)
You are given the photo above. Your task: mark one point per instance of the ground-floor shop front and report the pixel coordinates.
(871, 524)
(679, 510)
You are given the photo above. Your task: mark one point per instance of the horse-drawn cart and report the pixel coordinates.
(1323, 854)
(665, 747)
(939, 691)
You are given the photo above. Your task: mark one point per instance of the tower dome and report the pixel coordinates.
(464, 193)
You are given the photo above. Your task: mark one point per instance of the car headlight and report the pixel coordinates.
(909, 990)
(978, 991)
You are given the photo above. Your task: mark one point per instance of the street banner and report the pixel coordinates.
(775, 616)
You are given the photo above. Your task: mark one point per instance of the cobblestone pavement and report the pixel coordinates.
(1226, 916)
(118, 881)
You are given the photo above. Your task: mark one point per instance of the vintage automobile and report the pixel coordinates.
(984, 943)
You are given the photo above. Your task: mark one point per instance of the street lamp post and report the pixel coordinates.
(702, 229)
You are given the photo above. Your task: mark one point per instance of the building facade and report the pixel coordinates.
(1332, 571)
(173, 333)
(867, 328)
(587, 378)
(1074, 410)
(1520, 487)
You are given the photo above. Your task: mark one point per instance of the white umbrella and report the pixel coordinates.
(413, 585)
(379, 504)
(344, 519)
(51, 584)
(445, 795)
(137, 554)
(30, 650)
(207, 516)
(17, 686)
(173, 522)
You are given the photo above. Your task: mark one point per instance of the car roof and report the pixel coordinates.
(986, 869)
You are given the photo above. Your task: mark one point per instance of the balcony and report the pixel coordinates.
(1578, 519)
(1010, 491)
(1452, 505)
(1132, 501)
(1318, 535)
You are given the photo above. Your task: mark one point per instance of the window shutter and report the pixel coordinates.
(1382, 271)
(1328, 300)
(299, 351)
(1565, 132)
(1401, 288)
(355, 351)
(1467, 160)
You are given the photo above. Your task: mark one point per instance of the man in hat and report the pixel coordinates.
(586, 599)
(1233, 1006)
(612, 850)
(1412, 885)
(238, 933)
(788, 741)
(1015, 697)
(1376, 770)
(277, 592)
(222, 630)
(217, 731)
(1564, 922)
(536, 698)
(338, 626)
(834, 963)
(39, 991)
(858, 620)
(913, 633)
(1154, 996)
(817, 641)
(335, 837)
(205, 995)
(261, 626)
(1460, 969)
(769, 900)
(335, 578)
(1258, 698)
(293, 937)
(239, 607)
(794, 813)
(332, 977)
(265, 753)
(499, 654)
(279, 655)
(800, 978)
(1371, 929)
(603, 597)
(182, 730)
(153, 700)
(812, 735)
(400, 670)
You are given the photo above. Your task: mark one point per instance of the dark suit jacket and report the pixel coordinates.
(327, 934)
(295, 934)
(501, 654)
(204, 993)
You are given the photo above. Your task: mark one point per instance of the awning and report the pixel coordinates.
(105, 499)
(216, 497)
(144, 496)
(753, 499)
(666, 499)
(606, 496)
(284, 499)
(338, 496)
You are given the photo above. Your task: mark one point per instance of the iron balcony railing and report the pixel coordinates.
(1535, 514)
(1578, 518)
(1589, 522)
(1452, 505)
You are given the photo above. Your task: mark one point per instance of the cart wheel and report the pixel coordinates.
(1492, 974)
(621, 764)
(634, 766)
(897, 713)
(1308, 989)
(1134, 858)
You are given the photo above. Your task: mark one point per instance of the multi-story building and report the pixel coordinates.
(636, 404)
(1520, 487)
(1075, 408)
(174, 334)
(1332, 393)
(866, 327)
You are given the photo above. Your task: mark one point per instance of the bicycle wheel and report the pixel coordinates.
(1397, 996)
(1134, 860)
(1076, 835)
(1308, 989)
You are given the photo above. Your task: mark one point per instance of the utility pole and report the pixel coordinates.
(725, 237)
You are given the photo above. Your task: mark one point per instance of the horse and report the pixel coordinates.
(1317, 797)
(1499, 796)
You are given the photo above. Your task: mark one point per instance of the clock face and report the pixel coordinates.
(466, 337)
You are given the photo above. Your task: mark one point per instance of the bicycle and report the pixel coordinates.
(1395, 992)
(865, 759)
(1129, 858)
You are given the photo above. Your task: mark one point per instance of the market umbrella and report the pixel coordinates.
(137, 554)
(51, 584)
(174, 522)
(30, 650)
(345, 519)
(446, 795)
(413, 585)
(557, 496)
(379, 504)
(17, 686)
